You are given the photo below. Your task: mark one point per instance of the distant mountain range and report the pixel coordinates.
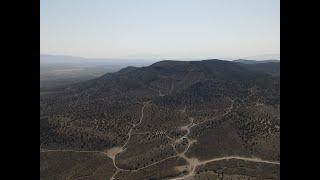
(264, 57)
(74, 60)
(59, 70)
(245, 61)
(63, 59)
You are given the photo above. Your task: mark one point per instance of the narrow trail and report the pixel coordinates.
(67, 150)
(197, 163)
(222, 115)
(193, 163)
(135, 125)
(170, 157)
(113, 152)
(80, 151)
(114, 174)
(258, 160)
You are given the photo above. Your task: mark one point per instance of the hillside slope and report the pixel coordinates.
(171, 120)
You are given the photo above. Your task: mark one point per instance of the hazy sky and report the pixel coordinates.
(165, 29)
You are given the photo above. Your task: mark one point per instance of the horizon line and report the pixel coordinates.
(161, 59)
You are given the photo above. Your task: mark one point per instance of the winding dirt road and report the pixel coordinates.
(193, 163)
(113, 152)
